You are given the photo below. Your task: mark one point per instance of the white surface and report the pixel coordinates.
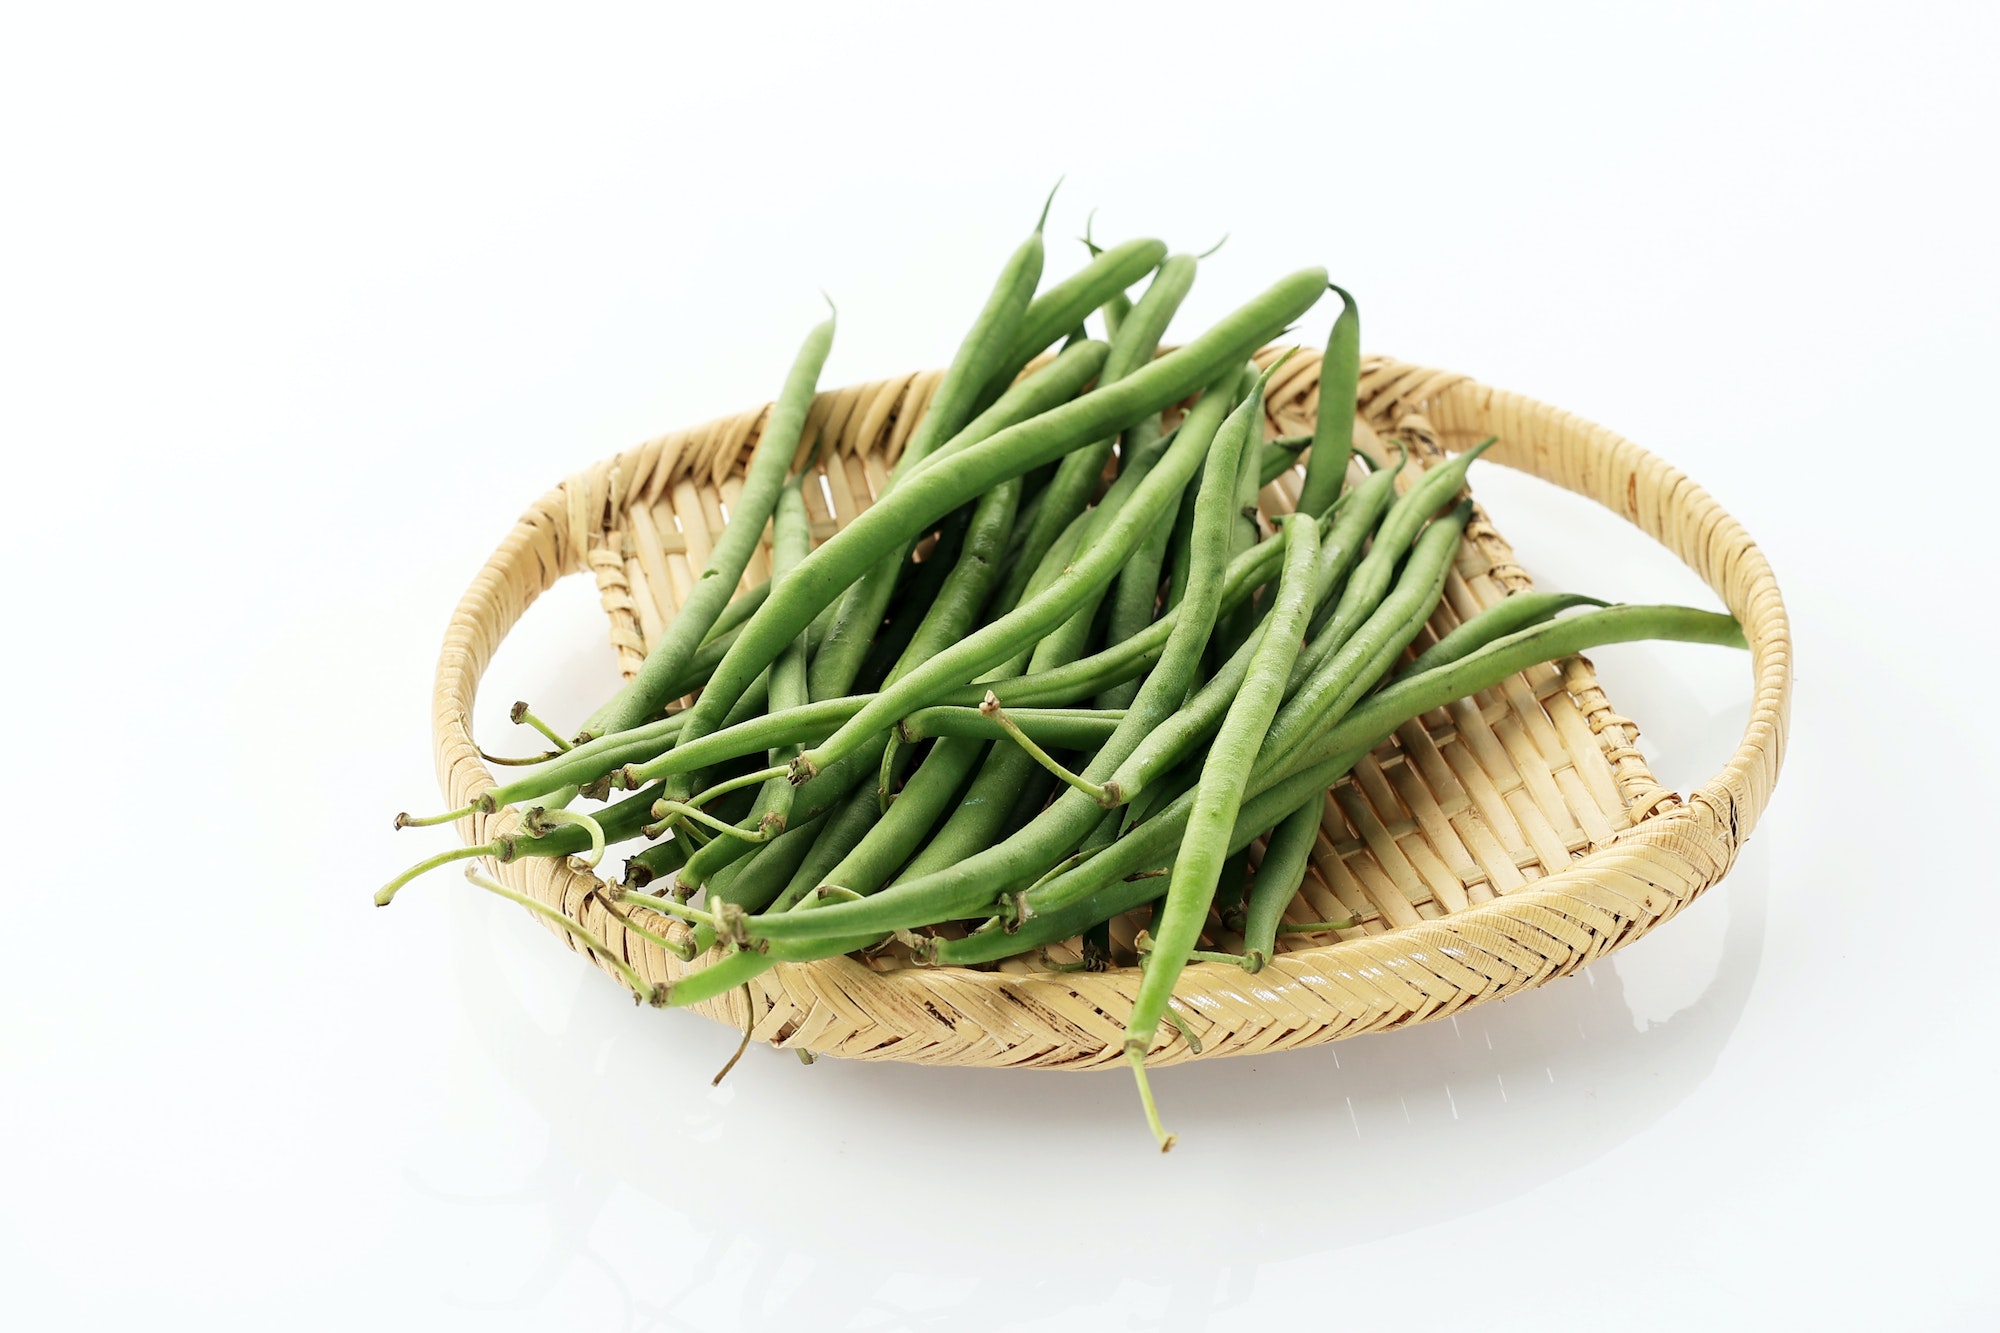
(407, 268)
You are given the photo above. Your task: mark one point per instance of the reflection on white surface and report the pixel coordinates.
(666, 1204)
(884, 1196)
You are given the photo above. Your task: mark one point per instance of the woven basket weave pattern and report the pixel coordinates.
(1492, 846)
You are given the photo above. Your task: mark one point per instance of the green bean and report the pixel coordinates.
(1007, 772)
(874, 842)
(1283, 787)
(904, 825)
(791, 538)
(817, 799)
(662, 858)
(1372, 577)
(931, 494)
(1066, 304)
(914, 599)
(617, 823)
(1229, 889)
(762, 876)
(645, 694)
(1219, 796)
(741, 607)
(842, 833)
(1497, 621)
(1087, 575)
(1049, 387)
(1116, 306)
(1243, 535)
(852, 823)
(953, 404)
(1287, 855)
(1063, 728)
(970, 582)
(1137, 599)
(1333, 688)
(1358, 517)
(1180, 550)
(718, 978)
(982, 877)
(1277, 457)
(1333, 426)
(647, 749)
(1134, 657)
(901, 828)
(1097, 889)
(1076, 478)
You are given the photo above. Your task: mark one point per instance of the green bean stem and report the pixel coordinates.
(641, 992)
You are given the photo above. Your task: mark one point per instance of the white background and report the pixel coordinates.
(302, 307)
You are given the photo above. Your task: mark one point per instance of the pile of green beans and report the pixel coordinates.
(1058, 672)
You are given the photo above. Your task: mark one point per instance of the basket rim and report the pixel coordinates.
(1601, 900)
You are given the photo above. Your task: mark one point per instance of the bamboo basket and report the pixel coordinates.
(1489, 848)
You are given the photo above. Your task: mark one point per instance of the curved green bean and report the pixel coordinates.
(646, 693)
(1218, 799)
(1333, 425)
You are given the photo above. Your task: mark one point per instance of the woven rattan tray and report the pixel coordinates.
(1490, 847)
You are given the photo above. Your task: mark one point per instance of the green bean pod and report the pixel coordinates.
(1333, 425)
(1497, 621)
(1058, 728)
(1098, 888)
(1367, 655)
(1287, 855)
(1118, 305)
(1069, 302)
(1086, 576)
(902, 828)
(1377, 570)
(981, 878)
(1076, 478)
(1219, 795)
(953, 404)
(927, 496)
(791, 538)
(646, 693)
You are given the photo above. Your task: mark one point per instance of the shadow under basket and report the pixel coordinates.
(1489, 847)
